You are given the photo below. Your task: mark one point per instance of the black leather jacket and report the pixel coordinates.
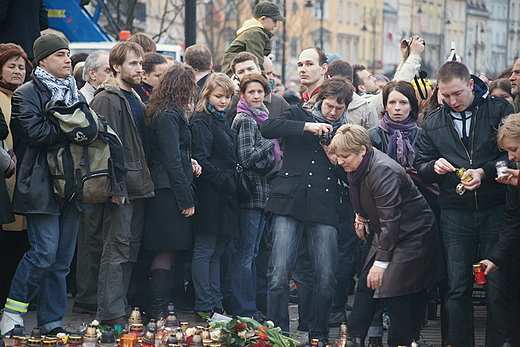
(32, 135)
(440, 139)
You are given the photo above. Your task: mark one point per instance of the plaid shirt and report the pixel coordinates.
(251, 148)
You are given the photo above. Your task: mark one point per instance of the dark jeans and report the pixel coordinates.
(469, 236)
(43, 268)
(347, 243)
(205, 270)
(243, 271)
(400, 331)
(304, 278)
(322, 245)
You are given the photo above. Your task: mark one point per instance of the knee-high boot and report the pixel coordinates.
(160, 287)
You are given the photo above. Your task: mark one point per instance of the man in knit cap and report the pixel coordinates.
(52, 223)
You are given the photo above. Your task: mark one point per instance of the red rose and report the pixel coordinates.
(240, 326)
(260, 343)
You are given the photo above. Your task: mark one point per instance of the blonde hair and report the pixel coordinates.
(509, 127)
(214, 80)
(350, 138)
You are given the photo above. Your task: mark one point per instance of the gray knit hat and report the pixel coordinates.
(47, 44)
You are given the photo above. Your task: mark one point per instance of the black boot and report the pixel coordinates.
(160, 287)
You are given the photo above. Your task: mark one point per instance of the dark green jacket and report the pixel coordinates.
(251, 38)
(110, 102)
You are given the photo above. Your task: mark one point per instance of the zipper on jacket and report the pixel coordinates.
(470, 156)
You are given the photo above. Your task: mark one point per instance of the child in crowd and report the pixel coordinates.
(255, 35)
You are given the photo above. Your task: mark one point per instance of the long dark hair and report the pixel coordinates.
(405, 88)
(176, 87)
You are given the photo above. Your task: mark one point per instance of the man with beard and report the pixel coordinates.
(515, 84)
(124, 111)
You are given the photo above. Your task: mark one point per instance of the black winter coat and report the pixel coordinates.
(440, 139)
(509, 238)
(214, 147)
(33, 134)
(21, 22)
(169, 155)
(306, 187)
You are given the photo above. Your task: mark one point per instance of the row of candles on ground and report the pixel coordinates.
(165, 333)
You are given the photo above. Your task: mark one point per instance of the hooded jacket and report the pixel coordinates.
(362, 112)
(110, 102)
(252, 38)
(440, 139)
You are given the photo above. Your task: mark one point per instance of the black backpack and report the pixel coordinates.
(88, 165)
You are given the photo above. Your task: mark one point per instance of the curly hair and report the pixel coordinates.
(176, 87)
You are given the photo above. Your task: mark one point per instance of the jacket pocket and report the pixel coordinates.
(285, 184)
(134, 176)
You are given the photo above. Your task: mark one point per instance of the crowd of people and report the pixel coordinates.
(232, 190)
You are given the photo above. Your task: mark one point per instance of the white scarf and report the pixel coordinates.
(61, 89)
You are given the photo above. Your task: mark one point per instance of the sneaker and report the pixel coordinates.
(9, 320)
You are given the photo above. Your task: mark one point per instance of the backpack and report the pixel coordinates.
(88, 165)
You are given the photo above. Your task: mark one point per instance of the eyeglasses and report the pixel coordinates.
(330, 107)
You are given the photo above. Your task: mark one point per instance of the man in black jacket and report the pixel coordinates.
(462, 134)
(306, 199)
(52, 223)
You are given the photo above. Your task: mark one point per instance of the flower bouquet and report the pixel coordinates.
(247, 332)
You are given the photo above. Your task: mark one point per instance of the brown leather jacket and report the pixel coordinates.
(405, 230)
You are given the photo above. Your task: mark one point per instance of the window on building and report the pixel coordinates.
(231, 9)
(346, 57)
(356, 13)
(340, 11)
(294, 47)
(339, 47)
(317, 9)
(348, 12)
(354, 56)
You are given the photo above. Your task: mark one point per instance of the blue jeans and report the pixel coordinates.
(252, 223)
(303, 277)
(44, 267)
(464, 233)
(323, 251)
(205, 270)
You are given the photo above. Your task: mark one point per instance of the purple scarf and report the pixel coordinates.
(354, 180)
(259, 115)
(399, 147)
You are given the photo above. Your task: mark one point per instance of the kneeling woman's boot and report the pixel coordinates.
(160, 287)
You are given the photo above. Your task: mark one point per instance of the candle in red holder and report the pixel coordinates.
(478, 272)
